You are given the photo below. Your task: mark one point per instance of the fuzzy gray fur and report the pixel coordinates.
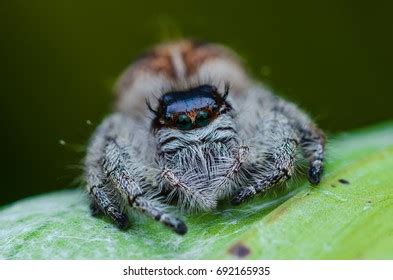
(243, 152)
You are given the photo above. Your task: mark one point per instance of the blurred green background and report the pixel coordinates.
(59, 60)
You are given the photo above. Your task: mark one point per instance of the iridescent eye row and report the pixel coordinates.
(188, 109)
(184, 122)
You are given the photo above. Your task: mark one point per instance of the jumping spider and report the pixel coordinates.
(204, 141)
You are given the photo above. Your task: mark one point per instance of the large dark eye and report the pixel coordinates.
(202, 118)
(183, 122)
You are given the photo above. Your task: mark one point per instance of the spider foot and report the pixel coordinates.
(121, 219)
(243, 195)
(95, 209)
(178, 226)
(315, 172)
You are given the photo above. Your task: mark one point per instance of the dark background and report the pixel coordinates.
(59, 60)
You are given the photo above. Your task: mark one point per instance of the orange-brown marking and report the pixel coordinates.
(159, 61)
(197, 54)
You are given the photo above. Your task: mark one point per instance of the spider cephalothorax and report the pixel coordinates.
(198, 149)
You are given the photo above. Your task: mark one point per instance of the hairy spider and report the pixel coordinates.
(204, 141)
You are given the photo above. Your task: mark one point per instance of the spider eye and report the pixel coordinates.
(183, 122)
(202, 118)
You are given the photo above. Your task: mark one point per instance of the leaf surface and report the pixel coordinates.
(348, 216)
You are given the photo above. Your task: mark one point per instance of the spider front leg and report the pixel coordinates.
(276, 146)
(114, 162)
(123, 173)
(103, 200)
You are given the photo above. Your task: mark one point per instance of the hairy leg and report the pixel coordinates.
(312, 139)
(157, 212)
(276, 143)
(190, 198)
(95, 209)
(116, 164)
(234, 175)
(108, 206)
(95, 179)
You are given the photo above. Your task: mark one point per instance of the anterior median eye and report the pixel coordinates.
(183, 122)
(202, 118)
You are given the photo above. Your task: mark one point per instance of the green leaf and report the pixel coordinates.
(335, 220)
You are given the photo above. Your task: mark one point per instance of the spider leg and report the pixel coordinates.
(111, 173)
(108, 207)
(232, 173)
(121, 171)
(95, 209)
(312, 139)
(312, 142)
(240, 157)
(156, 211)
(101, 198)
(191, 198)
(118, 168)
(276, 143)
